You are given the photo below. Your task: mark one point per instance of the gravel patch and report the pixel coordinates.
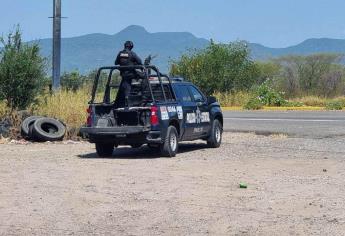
(295, 187)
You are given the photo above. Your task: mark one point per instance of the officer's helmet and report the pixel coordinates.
(129, 45)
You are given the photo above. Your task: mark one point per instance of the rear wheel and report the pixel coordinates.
(170, 146)
(104, 149)
(215, 138)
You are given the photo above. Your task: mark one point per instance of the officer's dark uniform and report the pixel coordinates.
(126, 57)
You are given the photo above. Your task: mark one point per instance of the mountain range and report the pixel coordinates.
(87, 52)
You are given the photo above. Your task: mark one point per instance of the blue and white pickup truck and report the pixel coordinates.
(168, 112)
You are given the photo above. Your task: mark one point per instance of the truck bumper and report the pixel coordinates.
(122, 135)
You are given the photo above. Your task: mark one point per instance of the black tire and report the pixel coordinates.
(25, 126)
(170, 146)
(31, 136)
(136, 145)
(104, 149)
(215, 138)
(48, 129)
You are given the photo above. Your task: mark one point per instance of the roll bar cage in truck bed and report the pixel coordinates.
(156, 77)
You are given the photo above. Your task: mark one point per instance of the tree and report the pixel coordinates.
(314, 68)
(267, 70)
(288, 78)
(22, 71)
(72, 81)
(332, 83)
(317, 74)
(218, 68)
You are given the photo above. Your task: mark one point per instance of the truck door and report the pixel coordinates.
(202, 112)
(189, 108)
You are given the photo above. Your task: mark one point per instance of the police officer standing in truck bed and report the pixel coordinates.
(126, 57)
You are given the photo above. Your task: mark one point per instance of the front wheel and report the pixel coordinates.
(104, 149)
(215, 138)
(170, 146)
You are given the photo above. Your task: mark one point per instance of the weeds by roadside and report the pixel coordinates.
(254, 103)
(230, 99)
(3, 109)
(334, 105)
(67, 106)
(265, 95)
(70, 107)
(313, 101)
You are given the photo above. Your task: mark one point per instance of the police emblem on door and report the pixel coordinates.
(198, 116)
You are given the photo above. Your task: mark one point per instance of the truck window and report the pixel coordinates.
(158, 95)
(168, 93)
(183, 93)
(198, 97)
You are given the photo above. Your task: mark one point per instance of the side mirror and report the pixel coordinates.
(211, 100)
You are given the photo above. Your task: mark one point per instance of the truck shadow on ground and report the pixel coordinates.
(144, 152)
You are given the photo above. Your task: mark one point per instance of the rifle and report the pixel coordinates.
(148, 59)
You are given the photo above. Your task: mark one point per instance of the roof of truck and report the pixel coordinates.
(174, 80)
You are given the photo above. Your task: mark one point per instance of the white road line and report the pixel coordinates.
(277, 119)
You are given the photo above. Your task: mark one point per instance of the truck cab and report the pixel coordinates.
(168, 111)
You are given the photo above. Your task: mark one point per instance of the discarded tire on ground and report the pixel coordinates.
(26, 124)
(48, 129)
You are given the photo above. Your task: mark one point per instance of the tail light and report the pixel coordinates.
(154, 116)
(89, 117)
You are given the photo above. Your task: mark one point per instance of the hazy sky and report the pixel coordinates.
(275, 23)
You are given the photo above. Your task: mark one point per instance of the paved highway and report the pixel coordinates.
(315, 124)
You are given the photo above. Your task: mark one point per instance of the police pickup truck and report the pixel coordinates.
(167, 112)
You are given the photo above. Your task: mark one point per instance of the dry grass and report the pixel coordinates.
(302, 108)
(267, 108)
(3, 109)
(315, 101)
(67, 106)
(14, 118)
(235, 101)
(232, 99)
(4, 140)
(311, 101)
(70, 107)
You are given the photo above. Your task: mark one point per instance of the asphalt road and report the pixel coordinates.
(313, 124)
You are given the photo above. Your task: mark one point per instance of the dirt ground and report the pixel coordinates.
(295, 187)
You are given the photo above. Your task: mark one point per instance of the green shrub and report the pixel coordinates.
(334, 105)
(294, 104)
(269, 96)
(22, 71)
(254, 103)
(341, 100)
